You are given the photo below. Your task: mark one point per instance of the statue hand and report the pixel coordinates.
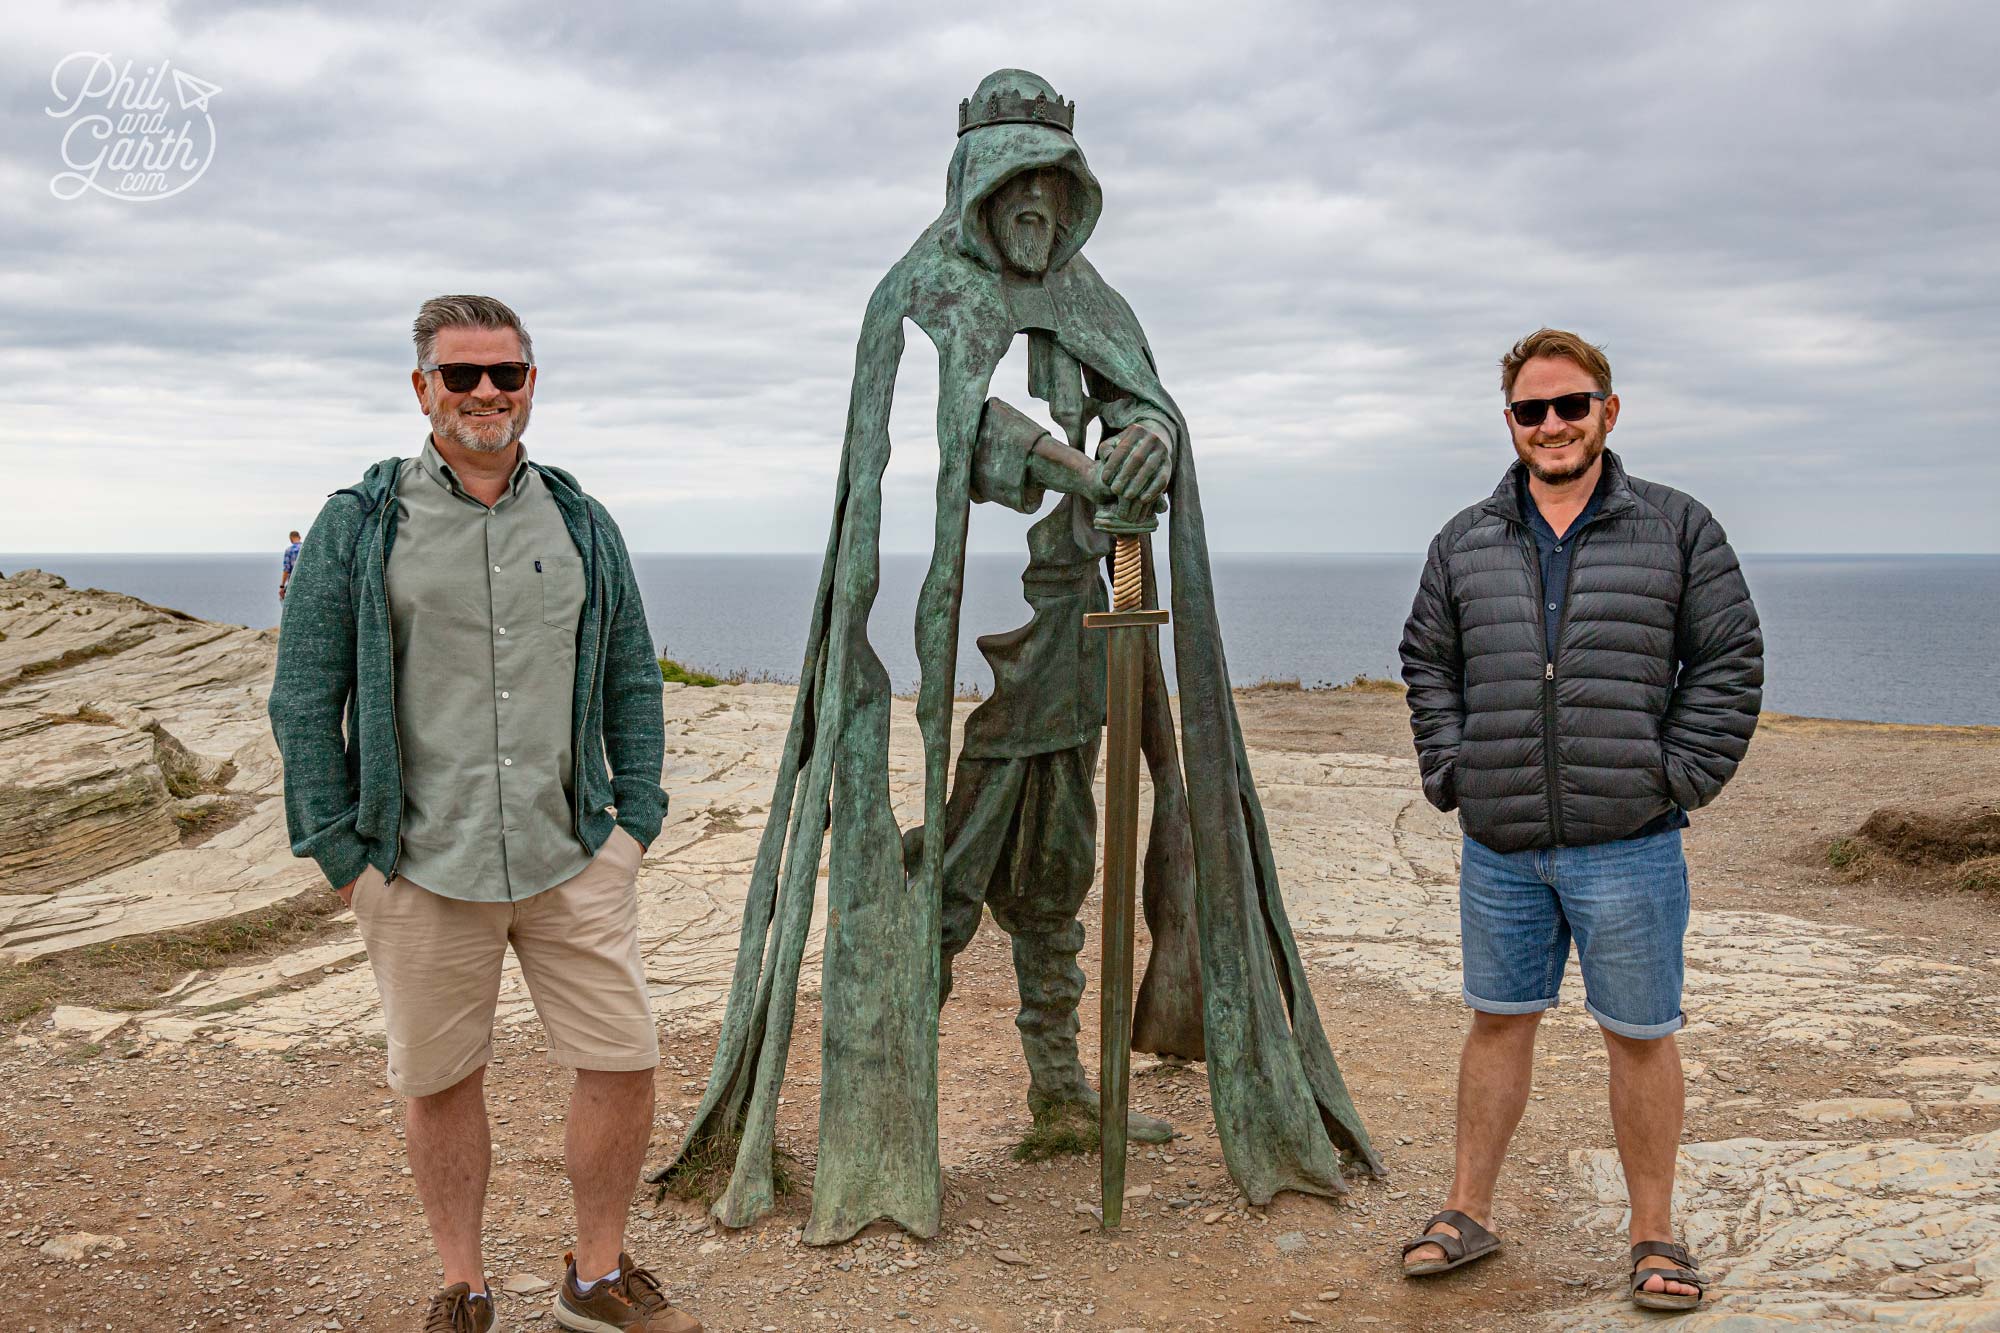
(1136, 464)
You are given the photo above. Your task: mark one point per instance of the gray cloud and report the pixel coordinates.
(1331, 219)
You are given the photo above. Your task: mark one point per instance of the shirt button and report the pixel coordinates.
(496, 568)
(505, 695)
(1552, 606)
(503, 629)
(507, 762)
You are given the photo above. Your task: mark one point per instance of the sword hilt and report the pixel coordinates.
(1128, 575)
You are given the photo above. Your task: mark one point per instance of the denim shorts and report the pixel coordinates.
(1626, 902)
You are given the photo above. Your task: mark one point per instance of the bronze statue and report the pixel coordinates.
(1224, 981)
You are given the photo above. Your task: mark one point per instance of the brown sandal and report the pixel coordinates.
(1472, 1242)
(1685, 1272)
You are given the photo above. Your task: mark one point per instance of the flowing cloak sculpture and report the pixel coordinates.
(1224, 981)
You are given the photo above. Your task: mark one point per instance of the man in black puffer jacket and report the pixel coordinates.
(1584, 667)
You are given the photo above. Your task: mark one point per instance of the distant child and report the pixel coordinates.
(291, 558)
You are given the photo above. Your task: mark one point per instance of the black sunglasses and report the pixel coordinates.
(463, 376)
(1533, 412)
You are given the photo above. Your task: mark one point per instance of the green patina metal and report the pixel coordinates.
(1224, 981)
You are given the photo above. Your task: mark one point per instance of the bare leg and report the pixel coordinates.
(1647, 1103)
(604, 1146)
(1495, 1071)
(451, 1150)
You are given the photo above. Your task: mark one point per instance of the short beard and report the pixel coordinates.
(1593, 449)
(445, 425)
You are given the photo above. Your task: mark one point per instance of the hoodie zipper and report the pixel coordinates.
(592, 593)
(395, 726)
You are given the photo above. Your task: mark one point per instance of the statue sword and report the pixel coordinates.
(1127, 623)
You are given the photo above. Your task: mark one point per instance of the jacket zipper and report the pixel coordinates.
(1551, 768)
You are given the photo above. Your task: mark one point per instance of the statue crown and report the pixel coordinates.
(1011, 108)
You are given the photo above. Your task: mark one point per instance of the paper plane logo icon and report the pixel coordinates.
(194, 93)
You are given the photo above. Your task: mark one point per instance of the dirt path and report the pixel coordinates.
(237, 1146)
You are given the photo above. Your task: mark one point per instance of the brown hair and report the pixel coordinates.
(466, 312)
(1555, 342)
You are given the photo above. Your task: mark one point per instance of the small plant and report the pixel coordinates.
(1981, 876)
(702, 1175)
(1842, 853)
(674, 673)
(1061, 1129)
(1368, 684)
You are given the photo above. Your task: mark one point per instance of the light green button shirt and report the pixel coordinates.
(483, 606)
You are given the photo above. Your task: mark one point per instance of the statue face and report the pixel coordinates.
(1021, 215)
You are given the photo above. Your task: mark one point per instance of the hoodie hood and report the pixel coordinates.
(988, 157)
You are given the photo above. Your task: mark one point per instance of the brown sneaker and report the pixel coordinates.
(454, 1311)
(635, 1303)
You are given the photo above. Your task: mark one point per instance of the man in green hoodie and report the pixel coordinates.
(472, 739)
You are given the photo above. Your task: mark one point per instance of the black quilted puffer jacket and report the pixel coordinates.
(1651, 696)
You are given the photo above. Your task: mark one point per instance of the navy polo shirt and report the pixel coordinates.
(1555, 551)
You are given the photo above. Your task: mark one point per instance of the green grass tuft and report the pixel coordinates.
(1367, 684)
(1842, 853)
(1061, 1129)
(1981, 876)
(703, 1174)
(673, 673)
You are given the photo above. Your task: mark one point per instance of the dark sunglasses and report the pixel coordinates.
(1533, 412)
(463, 376)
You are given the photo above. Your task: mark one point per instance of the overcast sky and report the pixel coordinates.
(1780, 220)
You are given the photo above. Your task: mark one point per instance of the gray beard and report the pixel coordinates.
(445, 423)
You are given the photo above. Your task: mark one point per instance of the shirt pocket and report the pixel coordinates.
(561, 577)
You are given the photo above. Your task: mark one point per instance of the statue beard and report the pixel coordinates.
(490, 435)
(1593, 448)
(1025, 245)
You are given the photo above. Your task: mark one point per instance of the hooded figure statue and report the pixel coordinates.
(1224, 981)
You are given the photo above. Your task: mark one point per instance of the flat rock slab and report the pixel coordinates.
(1841, 1110)
(1817, 1235)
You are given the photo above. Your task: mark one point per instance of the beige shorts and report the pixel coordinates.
(437, 963)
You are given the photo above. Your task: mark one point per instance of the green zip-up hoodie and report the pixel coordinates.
(333, 703)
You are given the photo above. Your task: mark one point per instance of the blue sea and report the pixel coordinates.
(1879, 638)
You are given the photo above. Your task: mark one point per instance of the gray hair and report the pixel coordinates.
(466, 312)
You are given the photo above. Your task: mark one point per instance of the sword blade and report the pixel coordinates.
(1125, 653)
